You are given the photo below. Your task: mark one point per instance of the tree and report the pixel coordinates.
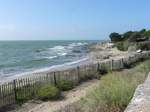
(127, 35)
(135, 37)
(142, 31)
(147, 33)
(115, 37)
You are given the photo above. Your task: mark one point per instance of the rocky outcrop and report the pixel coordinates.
(141, 99)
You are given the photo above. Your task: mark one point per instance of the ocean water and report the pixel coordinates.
(17, 57)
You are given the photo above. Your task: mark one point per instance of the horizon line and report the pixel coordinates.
(59, 40)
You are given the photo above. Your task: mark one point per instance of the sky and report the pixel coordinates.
(71, 19)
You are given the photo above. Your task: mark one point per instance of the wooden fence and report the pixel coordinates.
(15, 90)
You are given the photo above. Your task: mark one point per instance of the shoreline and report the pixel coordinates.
(39, 57)
(60, 67)
(96, 53)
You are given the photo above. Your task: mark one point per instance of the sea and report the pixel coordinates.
(17, 57)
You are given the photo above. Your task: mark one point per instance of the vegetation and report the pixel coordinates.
(120, 46)
(115, 90)
(48, 92)
(21, 96)
(144, 45)
(43, 92)
(138, 39)
(65, 85)
(115, 37)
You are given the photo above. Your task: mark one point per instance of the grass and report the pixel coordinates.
(113, 93)
(120, 46)
(115, 90)
(23, 96)
(65, 85)
(48, 92)
(45, 91)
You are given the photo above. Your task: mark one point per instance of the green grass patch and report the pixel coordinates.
(25, 93)
(120, 46)
(65, 85)
(115, 90)
(48, 92)
(44, 91)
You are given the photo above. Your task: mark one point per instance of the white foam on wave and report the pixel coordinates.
(57, 51)
(52, 53)
(63, 54)
(70, 46)
(58, 48)
(47, 69)
(51, 57)
(81, 44)
(77, 44)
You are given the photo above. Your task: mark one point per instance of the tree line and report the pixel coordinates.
(135, 39)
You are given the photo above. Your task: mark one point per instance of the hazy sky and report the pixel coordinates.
(70, 19)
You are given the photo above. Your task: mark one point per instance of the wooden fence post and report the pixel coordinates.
(47, 78)
(98, 67)
(112, 61)
(122, 63)
(78, 73)
(15, 89)
(55, 82)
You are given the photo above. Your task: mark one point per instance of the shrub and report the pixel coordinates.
(115, 37)
(47, 92)
(65, 85)
(87, 75)
(23, 96)
(120, 46)
(132, 48)
(103, 69)
(127, 35)
(25, 93)
(143, 45)
(135, 37)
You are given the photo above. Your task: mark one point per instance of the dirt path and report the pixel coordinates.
(69, 97)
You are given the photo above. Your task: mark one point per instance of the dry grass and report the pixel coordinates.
(115, 90)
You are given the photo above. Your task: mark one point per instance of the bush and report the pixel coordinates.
(120, 46)
(127, 35)
(103, 69)
(115, 37)
(65, 85)
(25, 93)
(48, 92)
(143, 45)
(22, 96)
